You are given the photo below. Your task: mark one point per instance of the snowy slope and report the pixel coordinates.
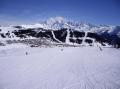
(53, 68)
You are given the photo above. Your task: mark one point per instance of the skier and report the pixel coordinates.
(61, 49)
(26, 53)
(100, 48)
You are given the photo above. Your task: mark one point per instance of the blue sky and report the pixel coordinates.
(31, 11)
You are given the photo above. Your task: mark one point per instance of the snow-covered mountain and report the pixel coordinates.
(62, 31)
(59, 23)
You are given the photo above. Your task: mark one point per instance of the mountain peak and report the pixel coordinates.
(56, 20)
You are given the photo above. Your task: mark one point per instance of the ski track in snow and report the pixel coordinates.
(67, 37)
(55, 37)
(83, 42)
(51, 68)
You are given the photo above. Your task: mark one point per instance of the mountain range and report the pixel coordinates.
(60, 31)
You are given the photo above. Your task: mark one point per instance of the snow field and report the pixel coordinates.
(53, 68)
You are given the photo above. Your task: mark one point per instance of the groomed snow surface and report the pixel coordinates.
(59, 68)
